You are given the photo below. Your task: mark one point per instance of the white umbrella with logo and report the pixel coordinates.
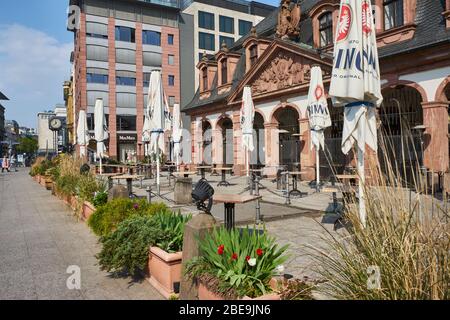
(319, 116)
(146, 134)
(355, 82)
(101, 130)
(177, 133)
(82, 133)
(156, 110)
(247, 117)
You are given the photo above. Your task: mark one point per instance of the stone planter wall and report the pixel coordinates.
(165, 270)
(88, 210)
(205, 294)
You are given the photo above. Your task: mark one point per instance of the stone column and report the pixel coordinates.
(272, 153)
(112, 125)
(307, 156)
(139, 91)
(217, 146)
(435, 118)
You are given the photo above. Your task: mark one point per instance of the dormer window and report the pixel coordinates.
(393, 14)
(224, 71)
(326, 29)
(205, 78)
(253, 54)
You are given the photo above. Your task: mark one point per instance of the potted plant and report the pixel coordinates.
(164, 263)
(237, 264)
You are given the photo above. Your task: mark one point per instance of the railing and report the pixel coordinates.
(167, 3)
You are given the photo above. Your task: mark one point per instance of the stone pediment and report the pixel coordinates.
(281, 69)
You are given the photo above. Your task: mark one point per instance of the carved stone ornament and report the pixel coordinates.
(283, 72)
(288, 20)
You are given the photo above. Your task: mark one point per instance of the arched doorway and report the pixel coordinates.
(400, 144)
(447, 96)
(259, 156)
(227, 141)
(289, 139)
(207, 142)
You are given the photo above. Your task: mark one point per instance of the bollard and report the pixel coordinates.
(149, 194)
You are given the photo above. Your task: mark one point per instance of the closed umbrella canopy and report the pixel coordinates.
(101, 129)
(355, 81)
(82, 133)
(247, 118)
(156, 111)
(356, 74)
(319, 116)
(146, 134)
(177, 132)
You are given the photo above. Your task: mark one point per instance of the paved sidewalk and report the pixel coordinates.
(40, 239)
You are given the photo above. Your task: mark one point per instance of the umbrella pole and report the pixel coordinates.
(317, 170)
(101, 165)
(247, 158)
(157, 167)
(362, 178)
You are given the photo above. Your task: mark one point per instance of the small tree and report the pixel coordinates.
(27, 145)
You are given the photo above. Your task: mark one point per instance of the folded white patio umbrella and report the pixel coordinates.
(146, 134)
(177, 133)
(247, 118)
(156, 109)
(319, 116)
(101, 130)
(82, 133)
(356, 81)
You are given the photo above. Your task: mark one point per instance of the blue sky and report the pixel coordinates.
(34, 56)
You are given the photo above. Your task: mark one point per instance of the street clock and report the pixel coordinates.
(55, 124)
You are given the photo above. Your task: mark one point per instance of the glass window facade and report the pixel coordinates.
(171, 59)
(226, 24)
(206, 20)
(97, 78)
(326, 29)
(171, 80)
(170, 39)
(244, 27)
(151, 38)
(97, 53)
(125, 81)
(96, 30)
(228, 41)
(393, 14)
(126, 123)
(171, 101)
(125, 34)
(126, 56)
(206, 41)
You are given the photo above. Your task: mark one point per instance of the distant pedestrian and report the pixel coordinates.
(5, 164)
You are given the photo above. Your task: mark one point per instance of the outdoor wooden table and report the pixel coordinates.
(295, 175)
(129, 179)
(214, 171)
(185, 174)
(224, 182)
(203, 171)
(229, 201)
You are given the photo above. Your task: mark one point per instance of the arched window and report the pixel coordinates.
(253, 54)
(393, 14)
(205, 78)
(224, 71)
(326, 29)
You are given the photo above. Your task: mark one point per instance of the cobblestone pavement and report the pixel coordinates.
(40, 239)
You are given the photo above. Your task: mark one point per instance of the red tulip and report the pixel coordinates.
(221, 249)
(259, 252)
(234, 256)
(248, 258)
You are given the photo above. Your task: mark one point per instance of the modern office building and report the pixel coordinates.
(208, 24)
(116, 46)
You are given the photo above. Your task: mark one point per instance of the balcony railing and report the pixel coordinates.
(167, 3)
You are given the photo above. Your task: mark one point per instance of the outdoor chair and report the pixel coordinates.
(203, 192)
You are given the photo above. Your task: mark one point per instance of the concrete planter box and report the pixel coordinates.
(205, 294)
(165, 270)
(88, 210)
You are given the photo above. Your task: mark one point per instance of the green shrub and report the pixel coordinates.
(237, 263)
(67, 185)
(127, 248)
(106, 218)
(100, 199)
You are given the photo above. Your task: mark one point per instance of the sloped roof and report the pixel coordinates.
(2, 96)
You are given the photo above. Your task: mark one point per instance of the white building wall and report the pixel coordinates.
(45, 135)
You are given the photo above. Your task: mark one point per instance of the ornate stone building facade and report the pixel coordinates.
(275, 59)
